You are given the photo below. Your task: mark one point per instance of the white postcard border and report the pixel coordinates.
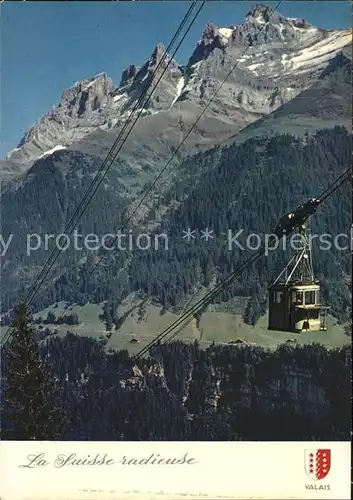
(206, 470)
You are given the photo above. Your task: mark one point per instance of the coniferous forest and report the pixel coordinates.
(232, 139)
(247, 186)
(181, 392)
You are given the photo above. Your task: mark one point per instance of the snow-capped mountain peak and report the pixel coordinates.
(96, 103)
(275, 58)
(261, 13)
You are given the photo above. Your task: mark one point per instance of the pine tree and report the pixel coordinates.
(30, 406)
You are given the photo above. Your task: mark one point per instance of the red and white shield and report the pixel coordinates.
(317, 463)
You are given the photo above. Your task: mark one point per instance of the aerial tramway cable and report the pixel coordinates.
(200, 305)
(140, 202)
(189, 132)
(182, 142)
(303, 213)
(183, 320)
(116, 148)
(112, 154)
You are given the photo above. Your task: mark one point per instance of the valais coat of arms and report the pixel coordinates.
(317, 463)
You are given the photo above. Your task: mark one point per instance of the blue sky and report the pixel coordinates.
(47, 46)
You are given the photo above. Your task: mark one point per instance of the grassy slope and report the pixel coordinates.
(220, 327)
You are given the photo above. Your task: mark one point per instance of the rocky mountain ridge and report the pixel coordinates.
(276, 58)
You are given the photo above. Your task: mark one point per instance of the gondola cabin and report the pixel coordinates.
(294, 297)
(295, 307)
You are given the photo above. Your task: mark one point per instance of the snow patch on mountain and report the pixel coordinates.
(281, 54)
(317, 54)
(226, 32)
(252, 67)
(52, 150)
(179, 89)
(11, 152)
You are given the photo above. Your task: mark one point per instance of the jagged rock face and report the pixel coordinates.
(143, 80)
(136, 380)
(82, 109)
(85, 98)
(264, 25)
(211, 39)
(154, 377)
(268, 60)
(96, 103)
(128, 75)
(283, 57)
